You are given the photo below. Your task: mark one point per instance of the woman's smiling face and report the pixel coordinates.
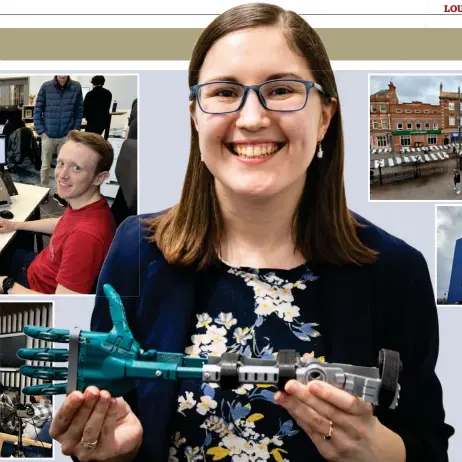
(255, 152)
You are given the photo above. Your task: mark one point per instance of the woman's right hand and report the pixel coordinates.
(7, 226)
(95, 416)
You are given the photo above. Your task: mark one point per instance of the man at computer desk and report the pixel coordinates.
(80, 238)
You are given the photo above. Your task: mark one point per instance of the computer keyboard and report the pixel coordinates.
(8, 181)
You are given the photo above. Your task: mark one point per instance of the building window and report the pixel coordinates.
(381, 141)
(399, 111)
(426, 111)
(435, 125)
(405, 140)
(418, 125)
(384, 124)
(452, 121)
(417, 111)
(373, 108)
(375, 124)
(431, 139)
(408, 111)
(383, 108)
(451, 106)
(409, 125)
(435, 112)
(399, 125)
(427, 125)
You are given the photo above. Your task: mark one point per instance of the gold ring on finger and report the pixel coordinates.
(328, 435)
(88, 444)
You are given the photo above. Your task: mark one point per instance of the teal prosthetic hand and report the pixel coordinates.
(115, 362)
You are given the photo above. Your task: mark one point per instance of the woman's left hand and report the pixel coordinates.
(357, 434)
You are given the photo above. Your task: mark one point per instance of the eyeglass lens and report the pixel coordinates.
(281, 95)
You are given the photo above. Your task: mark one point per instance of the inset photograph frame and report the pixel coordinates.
(415, 137)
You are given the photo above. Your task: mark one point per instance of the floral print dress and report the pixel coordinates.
(255, 313)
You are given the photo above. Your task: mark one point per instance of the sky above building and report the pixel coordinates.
(424, 88)
(449, 229)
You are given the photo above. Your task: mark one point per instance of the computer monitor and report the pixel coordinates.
(2, 150)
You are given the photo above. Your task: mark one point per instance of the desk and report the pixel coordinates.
(31, 126)
(108, 127)
(24, 207)
(25, 441)
(84, 124)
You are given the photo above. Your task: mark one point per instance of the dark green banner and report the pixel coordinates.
(416, 132)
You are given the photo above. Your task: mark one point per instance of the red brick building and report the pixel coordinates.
(449, 103)
(415, 124)
(394, 124)
(380, 117)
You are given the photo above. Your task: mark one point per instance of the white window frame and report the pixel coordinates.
(427, 125)
(452, 121)
(408, 111)
(409, 125)
(384, 124)
(398, 123)
(375, 124)
(418, 125)
(435, 125)
(384, 110)
(373, 108)
(399, 111)
(405, 138)
(451, 106)
(417, 111)
(382, 141)
(431, 137)
(426, 111)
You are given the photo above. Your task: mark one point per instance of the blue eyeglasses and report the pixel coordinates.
(287, 95)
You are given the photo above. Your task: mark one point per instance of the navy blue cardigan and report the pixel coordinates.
(388, 304)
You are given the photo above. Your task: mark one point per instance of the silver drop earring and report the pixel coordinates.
(320, 151)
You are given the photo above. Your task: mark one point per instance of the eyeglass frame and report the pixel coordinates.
(194, 94)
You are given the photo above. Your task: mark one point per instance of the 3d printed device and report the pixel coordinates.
(114, 361)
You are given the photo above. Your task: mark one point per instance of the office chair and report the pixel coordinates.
(22, 145)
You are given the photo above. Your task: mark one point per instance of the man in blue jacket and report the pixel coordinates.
(58, 110)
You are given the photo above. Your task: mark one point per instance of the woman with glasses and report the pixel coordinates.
(262, 254)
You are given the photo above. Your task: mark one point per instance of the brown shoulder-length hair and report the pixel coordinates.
(324, 229)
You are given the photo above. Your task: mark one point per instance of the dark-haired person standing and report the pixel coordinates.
(96, 106)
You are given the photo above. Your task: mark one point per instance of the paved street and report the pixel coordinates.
(438, 186)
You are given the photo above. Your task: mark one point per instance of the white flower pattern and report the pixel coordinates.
(187, 402)
(235, 433)
(206, 405)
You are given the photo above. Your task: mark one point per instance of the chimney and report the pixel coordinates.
(392, 93)
(441, 88)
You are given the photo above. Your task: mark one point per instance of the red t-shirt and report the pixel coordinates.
(76, 252)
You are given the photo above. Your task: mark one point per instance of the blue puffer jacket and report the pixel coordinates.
(58, 111)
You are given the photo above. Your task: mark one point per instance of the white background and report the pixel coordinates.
(138, 13)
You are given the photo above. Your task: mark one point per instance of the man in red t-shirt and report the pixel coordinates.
(81, 237)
